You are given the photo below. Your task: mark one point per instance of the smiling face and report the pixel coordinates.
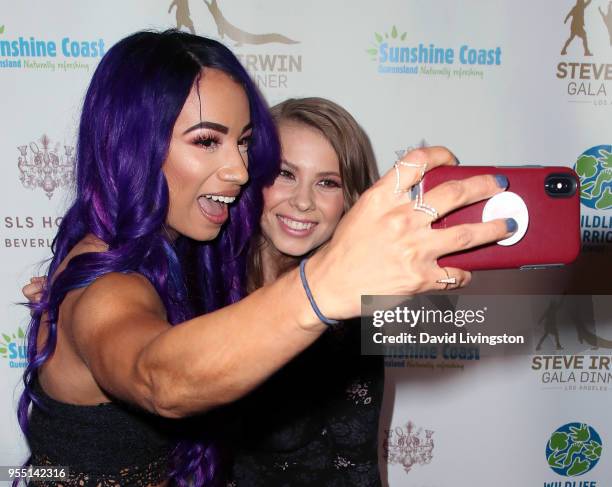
(207, 158)
(305, 203)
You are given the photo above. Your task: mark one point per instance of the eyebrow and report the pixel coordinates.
(215, 126)
(319, 174)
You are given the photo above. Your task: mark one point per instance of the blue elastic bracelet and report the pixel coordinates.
(327, 321)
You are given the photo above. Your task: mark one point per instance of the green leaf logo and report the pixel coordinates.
(380, 38)
(573, 449)
(1, 29)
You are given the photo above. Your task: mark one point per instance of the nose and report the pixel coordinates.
(235, 169)
(302, 198)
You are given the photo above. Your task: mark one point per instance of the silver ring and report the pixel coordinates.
(429, 210)
(396, 166)
(447, 280)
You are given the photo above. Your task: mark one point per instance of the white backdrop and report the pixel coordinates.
(483, 422)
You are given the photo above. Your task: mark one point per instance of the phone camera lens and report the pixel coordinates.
(560, 185)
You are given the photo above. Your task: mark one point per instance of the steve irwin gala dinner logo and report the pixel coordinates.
(586, 53)
(224, 27)
(270, 58)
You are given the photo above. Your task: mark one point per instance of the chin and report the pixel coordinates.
(295, 250)
(203, 236)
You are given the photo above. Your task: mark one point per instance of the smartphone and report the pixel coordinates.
(545, 202)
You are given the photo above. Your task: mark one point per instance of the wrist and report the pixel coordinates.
(329, 296)
(305, 317)
(313, 303)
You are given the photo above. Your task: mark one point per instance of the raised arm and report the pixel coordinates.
(382, 246)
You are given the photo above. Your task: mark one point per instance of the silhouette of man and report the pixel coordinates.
(550, 324)
(607, 18)
(577, 26)
(183, 17)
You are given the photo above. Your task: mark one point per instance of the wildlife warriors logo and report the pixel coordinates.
(224, 27)
(408, 447)
(573, 450)
(45, 167)
(594, 166)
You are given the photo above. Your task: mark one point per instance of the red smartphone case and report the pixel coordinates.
(553, 233)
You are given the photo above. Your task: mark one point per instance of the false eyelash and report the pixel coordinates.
(205, 137)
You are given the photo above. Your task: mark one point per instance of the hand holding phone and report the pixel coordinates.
(545, 203)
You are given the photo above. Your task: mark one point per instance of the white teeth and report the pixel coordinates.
(223, 199)
(296, 225)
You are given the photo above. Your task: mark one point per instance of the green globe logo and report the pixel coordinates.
(594, 166)
(574, 449)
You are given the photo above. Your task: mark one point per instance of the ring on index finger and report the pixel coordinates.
(398, 186)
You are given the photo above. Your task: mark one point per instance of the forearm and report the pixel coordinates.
(219, 357)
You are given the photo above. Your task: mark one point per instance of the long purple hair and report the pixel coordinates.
(129, 112)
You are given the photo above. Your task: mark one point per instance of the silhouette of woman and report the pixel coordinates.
(607, 18)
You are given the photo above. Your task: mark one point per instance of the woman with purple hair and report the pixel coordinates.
(142, 321)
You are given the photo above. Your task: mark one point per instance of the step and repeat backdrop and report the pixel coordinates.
(503, 83)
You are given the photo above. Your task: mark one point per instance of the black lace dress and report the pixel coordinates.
(315, 422)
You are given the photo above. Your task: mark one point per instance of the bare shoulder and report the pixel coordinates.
(118, 294)
(110, 299)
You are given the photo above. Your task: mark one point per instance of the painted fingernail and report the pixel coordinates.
(502, 181)
(511, 225)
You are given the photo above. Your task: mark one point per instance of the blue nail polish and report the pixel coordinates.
(502, 181)
(511, 225)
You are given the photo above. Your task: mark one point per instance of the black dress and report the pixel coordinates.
(315, 422)
(104, 445)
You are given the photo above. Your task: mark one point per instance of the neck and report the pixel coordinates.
(274, 262)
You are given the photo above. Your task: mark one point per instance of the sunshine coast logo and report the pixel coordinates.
(13, 349)
(586, 64)
(65, 54)
(572, 450)
(395, 53)
(270, 67)
(408, 446)
(44, 166)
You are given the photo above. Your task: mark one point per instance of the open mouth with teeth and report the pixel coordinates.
(214, 206)
(295, 226)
